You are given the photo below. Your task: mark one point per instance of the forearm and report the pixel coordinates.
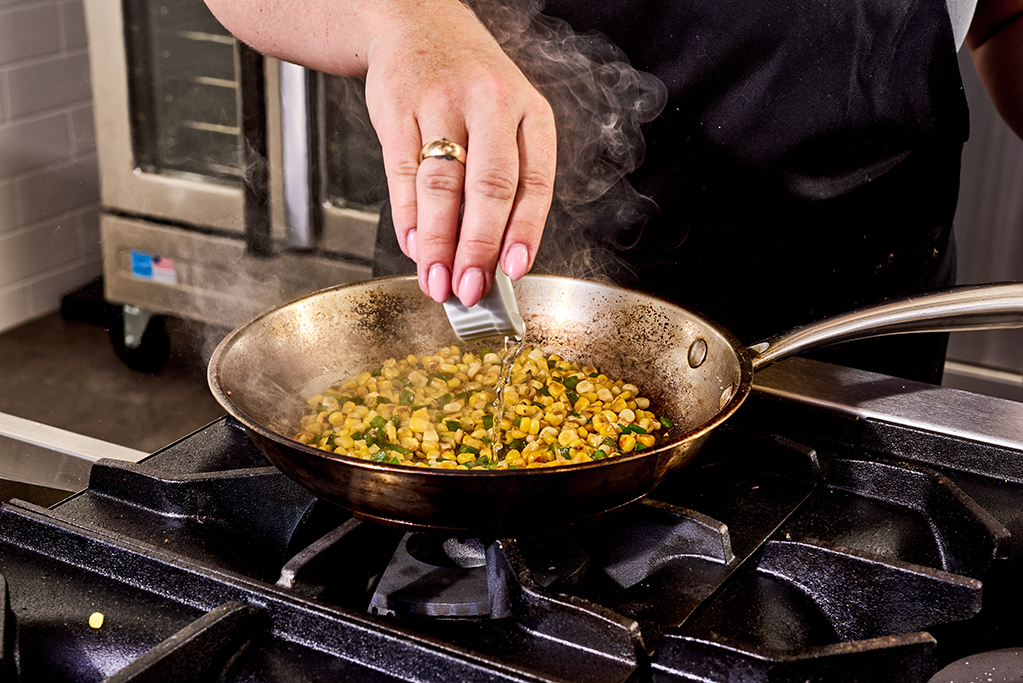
(333, 36)
(996, 45)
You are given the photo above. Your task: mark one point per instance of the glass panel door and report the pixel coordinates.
(350, 182)
(354, 161)
(183, 91)
(166, 100)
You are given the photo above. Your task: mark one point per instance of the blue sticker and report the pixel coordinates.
(141, 265)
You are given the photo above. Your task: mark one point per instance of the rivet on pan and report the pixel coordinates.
(697, 353)
(726, 395)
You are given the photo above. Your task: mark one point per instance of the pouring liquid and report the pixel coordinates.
(513, 347)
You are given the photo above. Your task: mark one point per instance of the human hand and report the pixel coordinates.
(434, 72)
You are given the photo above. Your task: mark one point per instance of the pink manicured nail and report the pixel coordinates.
(410, 244)
(439, 283)
(470, 287)
(516, 261)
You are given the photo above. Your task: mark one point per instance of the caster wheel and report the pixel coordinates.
(153, 349)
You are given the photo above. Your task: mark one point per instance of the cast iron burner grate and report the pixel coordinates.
(758, 564)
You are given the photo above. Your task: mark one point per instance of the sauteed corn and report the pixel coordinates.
(440, 411)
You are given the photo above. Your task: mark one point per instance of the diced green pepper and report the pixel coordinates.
(357, 400)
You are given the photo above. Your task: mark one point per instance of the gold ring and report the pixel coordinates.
(442, 149)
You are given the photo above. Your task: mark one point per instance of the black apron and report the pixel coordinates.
(806, 163)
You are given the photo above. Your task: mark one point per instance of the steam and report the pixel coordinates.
(600, 104)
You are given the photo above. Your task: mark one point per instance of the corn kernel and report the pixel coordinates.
(537, 413)
(567, 436)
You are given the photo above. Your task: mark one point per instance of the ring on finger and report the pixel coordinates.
(442, 149)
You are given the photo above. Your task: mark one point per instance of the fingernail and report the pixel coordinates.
(516, 261)
(470, 287)
(439, 283)
(410, 244)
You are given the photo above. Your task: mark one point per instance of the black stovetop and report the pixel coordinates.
(809, 540)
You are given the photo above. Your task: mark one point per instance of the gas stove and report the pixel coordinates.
(843, 526)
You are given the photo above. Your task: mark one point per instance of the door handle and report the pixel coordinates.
(299, 154)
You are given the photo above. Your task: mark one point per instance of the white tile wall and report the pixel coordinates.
(49, 180)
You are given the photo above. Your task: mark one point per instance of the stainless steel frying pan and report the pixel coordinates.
(694, 371)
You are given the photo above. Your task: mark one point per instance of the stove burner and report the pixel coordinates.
(468, 553)
(447, 577)
(424, 579)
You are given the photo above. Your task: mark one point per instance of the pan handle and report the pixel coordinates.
(973, 307)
